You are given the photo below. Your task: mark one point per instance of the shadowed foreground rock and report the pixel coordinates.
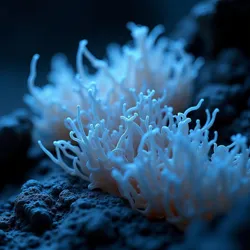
(229, 232)
(59, 212)
(15, 138)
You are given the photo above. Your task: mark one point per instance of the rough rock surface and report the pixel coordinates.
(15, 138)
(224, 83)
(229, 231)
(217, 30)
(56, 211)
(213, 25)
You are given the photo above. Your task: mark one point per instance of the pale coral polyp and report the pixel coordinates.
(127, 137)
(152, 62)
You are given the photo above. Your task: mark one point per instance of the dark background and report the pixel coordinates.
(51, 26)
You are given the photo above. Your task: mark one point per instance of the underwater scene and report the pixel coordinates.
(125, 125)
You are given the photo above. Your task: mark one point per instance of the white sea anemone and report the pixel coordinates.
(150, 62)
(155, 160)
(128, 139)
(180, 174)
(90, 154)
(52, 103)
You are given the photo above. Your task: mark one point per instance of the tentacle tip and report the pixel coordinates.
(68, 119)
(83, 43)
(36, 56)
(130, 25)
(201, 101)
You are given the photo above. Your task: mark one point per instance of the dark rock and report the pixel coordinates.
(187, 29)
(33, 206)
(231, 25)
(67, 198)
(6, 221)
(3, 238)
(228, 231)
(15, 137)
(197, 29)
(225, 98)
(203, 14)
(224, 83)
(39, 218)
(213, 25)
(33, 242)
(232, 66)
(82, 203)
(36, 185)
(59, 212)
(98, 226)
(240, 125)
